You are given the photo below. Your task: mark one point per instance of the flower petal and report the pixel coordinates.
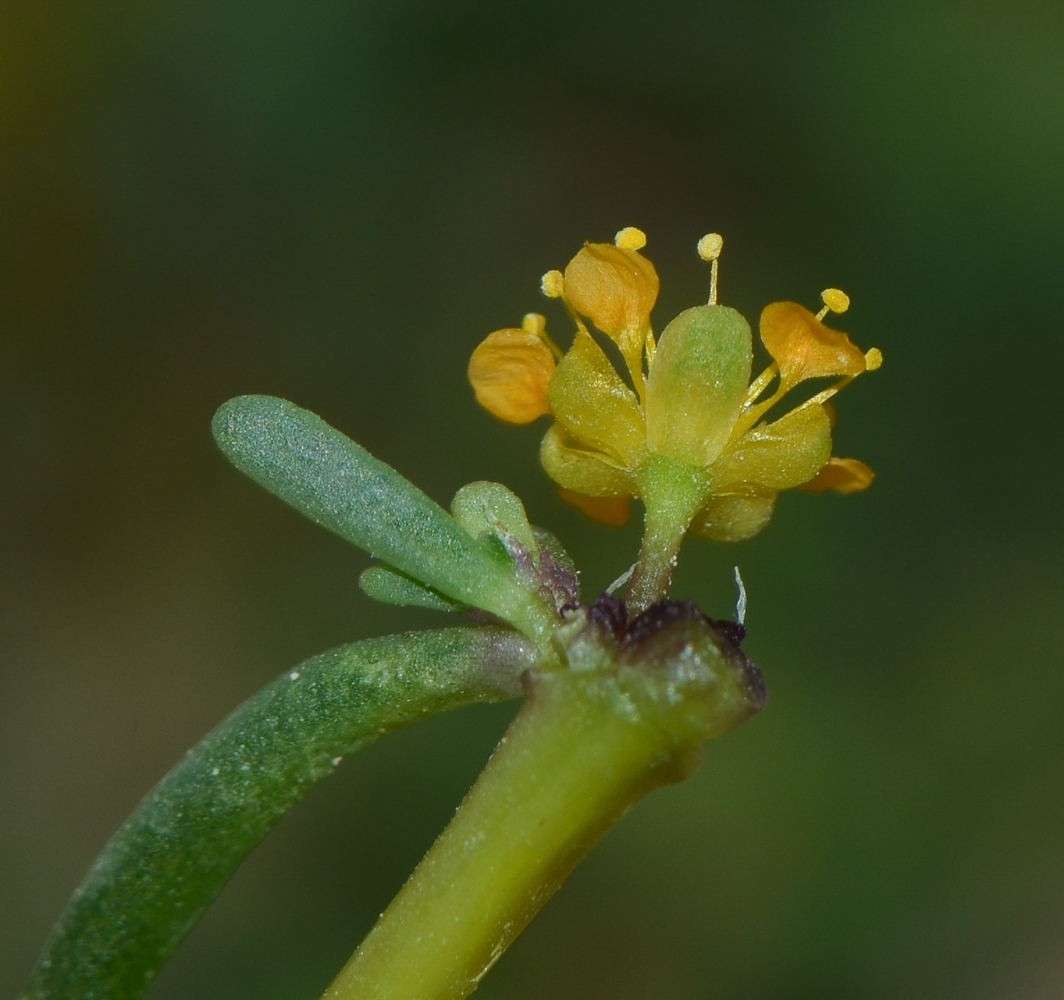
(614, 287)
(612, 511)
(843, 475)
(592, 403)
(803, 347)
(697, 383)
(734, 517)
(582, 471)
(777, 456)
(509, 371)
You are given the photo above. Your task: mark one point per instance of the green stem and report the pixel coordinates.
(162, 869)
(672, 493)
(589, 742)
(569, 767)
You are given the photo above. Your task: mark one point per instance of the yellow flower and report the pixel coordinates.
(684, 431)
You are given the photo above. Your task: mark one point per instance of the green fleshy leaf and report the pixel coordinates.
(486, 509)
(338, 484)
(172, 857)
(389, 586)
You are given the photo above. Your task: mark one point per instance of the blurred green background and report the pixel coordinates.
(334, 202)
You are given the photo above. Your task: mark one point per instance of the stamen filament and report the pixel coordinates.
(631, 344)
(573, 315)
(709, 248)
(634, 364)
(553, 347)
(651, 346)
(749, 417)
(536, 324)
(638, 379)
(826, 394)
(760, 384)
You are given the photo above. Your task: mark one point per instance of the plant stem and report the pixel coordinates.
(576, 758)
(672, 493)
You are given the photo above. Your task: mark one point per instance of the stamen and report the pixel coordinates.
(827, 393)
(760, 384)
(536, 324)
(651, 346)
(835, 300)
(630, 238)
(751, 413)
(553, 284)
(709, 248)
(873, 359)
(749, 417)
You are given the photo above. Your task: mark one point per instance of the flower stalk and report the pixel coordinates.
(673, 493)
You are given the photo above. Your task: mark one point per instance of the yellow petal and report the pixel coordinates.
(509, 371)
(777, 456)
(697, 383)
(803, 347)
(592, 403)
(581, 471)
(734, 518)
(606, 510)
(843, 475)
(614, 287)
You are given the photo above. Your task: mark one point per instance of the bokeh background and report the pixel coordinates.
(334, 202)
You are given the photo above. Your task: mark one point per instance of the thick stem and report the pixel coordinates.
(576, 758)
(672, 493)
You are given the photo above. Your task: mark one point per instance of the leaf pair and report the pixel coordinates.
(443, 560)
